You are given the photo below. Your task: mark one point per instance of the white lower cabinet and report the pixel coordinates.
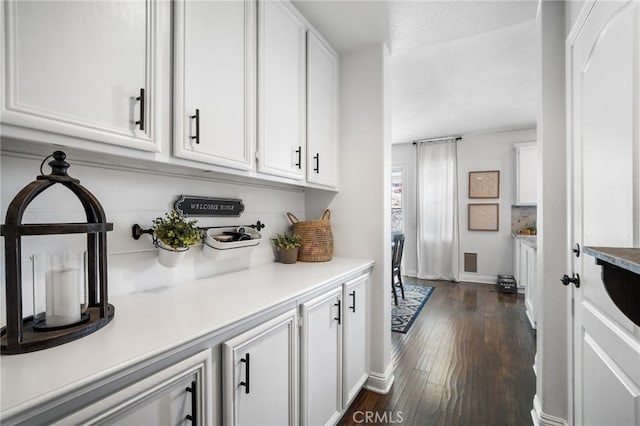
(529, 255)
(321, 360)
(334, 356)
(354, 366)
(260, 374)
(180, 394)
(525, 274)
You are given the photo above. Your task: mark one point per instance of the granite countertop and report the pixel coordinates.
(625, 258)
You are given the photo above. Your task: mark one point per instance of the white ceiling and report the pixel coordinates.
(457, 66)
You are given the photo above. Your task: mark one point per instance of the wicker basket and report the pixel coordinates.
(317, 238)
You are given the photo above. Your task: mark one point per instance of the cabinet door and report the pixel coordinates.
(170, 397)
(355, 363)
(322, 112)
(322, 359)
(281, 91)
(214, 88)
(517, 274)
(530, 290)
(527, 167)
(80, 68)
(260, 375)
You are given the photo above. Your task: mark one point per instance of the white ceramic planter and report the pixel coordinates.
(170, 258)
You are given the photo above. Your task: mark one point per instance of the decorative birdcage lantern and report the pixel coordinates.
(74, 295)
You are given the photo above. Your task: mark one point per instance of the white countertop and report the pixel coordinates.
(150, 323)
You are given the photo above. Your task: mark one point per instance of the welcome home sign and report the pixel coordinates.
(188, 205)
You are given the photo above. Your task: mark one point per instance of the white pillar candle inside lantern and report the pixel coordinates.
(63, 297)
(59, 284)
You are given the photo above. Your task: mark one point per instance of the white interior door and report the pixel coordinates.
(604, 54)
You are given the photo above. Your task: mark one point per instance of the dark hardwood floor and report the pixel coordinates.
(467, 360)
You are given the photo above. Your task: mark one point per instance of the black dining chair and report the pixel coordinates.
(396, 261)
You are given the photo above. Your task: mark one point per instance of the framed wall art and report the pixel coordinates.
(484, 217)
(484, 184)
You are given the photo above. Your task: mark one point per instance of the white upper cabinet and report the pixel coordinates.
(322, 112)
(527, 174)
(82, 69)
(214, 82)
(281, 91)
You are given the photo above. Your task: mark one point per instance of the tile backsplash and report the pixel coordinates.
(523, 217)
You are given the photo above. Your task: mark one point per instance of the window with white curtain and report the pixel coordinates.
(397, 213)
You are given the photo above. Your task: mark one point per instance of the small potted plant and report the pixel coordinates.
(287, 246)
(174, 235)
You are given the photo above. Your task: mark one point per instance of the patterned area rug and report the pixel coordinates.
(403, 315)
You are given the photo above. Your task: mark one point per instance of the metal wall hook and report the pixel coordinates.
(137, 231)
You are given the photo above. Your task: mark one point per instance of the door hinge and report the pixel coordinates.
(257, 155)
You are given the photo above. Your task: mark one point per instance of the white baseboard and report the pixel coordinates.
(472, 278)
(530, 318)
(542, 419)
(380, 383)
(483, 279)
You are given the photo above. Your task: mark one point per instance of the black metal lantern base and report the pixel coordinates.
(40, 324)
(36, 338)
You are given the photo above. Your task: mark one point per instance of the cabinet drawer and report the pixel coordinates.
(165, 398)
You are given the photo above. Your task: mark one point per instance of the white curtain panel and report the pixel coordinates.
(437, 204)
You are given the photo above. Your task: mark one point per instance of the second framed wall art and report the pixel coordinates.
(484, 217)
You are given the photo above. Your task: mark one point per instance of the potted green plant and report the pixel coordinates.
(287, 246)
(174, 235)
